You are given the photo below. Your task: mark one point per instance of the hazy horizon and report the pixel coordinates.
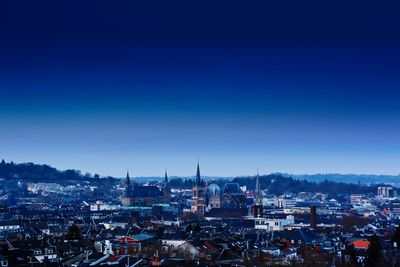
(170, 174)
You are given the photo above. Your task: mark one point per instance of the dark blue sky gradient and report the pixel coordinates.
(104, 86)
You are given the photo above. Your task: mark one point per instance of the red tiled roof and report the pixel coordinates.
(361, 243)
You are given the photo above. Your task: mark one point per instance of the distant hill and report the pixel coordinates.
(350, 178)
(279, 184)
(363, 179)
(39, 173)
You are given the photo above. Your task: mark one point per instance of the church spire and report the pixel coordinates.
(198, 179)
(257, 190)
(127, 179)
(165, 184)
(128, 185)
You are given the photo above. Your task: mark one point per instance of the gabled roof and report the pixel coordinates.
(227, 213)
(232, 188)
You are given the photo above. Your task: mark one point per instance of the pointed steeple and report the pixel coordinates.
(198, 178)
(257, 190)
(165, 183)
(128, 185)
(127, 179)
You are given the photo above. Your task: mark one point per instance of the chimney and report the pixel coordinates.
(313, 218)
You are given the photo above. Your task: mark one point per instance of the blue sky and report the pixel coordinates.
(105, 87)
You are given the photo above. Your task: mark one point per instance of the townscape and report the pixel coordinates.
(290, 107)
(104, 221)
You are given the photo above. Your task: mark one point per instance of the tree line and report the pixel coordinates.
(39, 173)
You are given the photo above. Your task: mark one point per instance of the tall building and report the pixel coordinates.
(199, 195)
(128, 184)
(385, 191)
(257, 207)
(395, 205)
(356, 199)
(139, 195)
(313, 217)
(166, 189)
(128, 191)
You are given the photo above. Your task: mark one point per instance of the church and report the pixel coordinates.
(147, 196)
(199, 194)
(207, 197)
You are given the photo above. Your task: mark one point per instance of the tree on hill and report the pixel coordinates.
(278, 184)
(38, 173)
(396, 236)
(350, 222)
(374, 253)
(353, 257)
(74, 233)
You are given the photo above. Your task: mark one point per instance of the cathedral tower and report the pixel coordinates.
(199, 195)
(166, 189)
(126, 198)
(128, 185)
(258, 206)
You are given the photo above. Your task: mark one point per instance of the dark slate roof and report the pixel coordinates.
(9, 223)
(232, 188)
(146, 191)
(308, 203)
(307, 236)
(227, 213)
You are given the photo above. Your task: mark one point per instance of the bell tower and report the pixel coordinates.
(166, 189)
(198, 198)
(257, 207)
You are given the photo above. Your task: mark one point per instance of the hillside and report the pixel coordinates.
(39, 173)
(279, 184)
